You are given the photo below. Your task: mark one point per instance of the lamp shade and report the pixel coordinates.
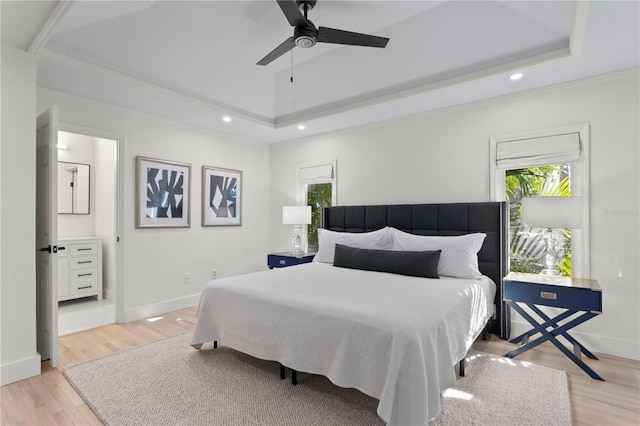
(552, 212)
(296, 215)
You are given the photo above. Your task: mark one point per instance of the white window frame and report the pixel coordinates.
(303, 184)
(580, 253)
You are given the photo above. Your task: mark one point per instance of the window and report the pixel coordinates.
(316, 188)
(550, 163)
(318, 197)
(526, 245)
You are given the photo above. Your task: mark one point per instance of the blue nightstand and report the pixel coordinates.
(581, 297)
(284, 259)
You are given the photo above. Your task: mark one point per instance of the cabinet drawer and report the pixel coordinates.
(84, 262)
(83, 249)
(79, 268)
(84, 281)
(282, 261)
(553, 295)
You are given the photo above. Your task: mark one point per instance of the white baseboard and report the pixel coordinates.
(84, 315)
(19, 370)
(156, 309)
(598, 344)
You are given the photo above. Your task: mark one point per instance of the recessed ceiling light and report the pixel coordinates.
(301, 127)
(226, 119)
(516, 76)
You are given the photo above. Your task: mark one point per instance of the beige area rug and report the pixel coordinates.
(169, 383)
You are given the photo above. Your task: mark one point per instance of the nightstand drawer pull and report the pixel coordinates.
(282, 262)
(548, 295)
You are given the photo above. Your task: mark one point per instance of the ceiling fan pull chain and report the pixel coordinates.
(291, 66)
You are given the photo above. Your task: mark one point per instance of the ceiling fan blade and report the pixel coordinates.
(331, 35)
(284, 47)
(292, 13)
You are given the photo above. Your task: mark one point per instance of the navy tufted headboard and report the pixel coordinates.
(441, 219)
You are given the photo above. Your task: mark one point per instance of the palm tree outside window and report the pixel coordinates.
(526, 245)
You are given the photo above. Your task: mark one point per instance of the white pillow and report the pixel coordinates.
(327, 241)
(459, 257)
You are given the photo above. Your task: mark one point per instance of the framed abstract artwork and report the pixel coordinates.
(221, 196)
(162, 193)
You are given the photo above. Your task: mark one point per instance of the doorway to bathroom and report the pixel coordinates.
(87, 228)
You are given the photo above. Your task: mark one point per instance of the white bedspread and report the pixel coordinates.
(395, 338)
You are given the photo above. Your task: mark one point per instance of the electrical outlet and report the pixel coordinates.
(214, 274)
(187, 278)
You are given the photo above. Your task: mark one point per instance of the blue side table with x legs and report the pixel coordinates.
(581, 300)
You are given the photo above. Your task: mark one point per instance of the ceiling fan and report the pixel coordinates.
(306, 35)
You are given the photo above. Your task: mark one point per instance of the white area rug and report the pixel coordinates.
(169, 383)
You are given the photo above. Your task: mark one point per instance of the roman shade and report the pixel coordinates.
(542, 151)
(315, 174)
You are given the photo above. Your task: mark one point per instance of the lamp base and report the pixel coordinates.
(296, 241)
(550, 273)
(554, 251)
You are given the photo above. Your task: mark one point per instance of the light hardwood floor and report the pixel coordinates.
(49, 399)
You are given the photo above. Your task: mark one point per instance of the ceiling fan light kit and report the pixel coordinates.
(305, 33)
(305, 36)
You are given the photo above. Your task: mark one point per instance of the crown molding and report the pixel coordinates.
(417, 88)
(579, 26)
(70, 126)
(614, 75)
(392, 94)
(49, 26)
(101, 72)
(571, 48)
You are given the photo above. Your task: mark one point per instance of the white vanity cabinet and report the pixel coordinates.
(79, 268)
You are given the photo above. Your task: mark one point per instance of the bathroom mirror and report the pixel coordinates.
(73, 188)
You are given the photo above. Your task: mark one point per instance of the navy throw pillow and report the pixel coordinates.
(413, 263)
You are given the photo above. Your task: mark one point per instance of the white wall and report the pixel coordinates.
(156, 259)
(18, 356)
(444, 157)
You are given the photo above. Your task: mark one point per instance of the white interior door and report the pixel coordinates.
(47, 235)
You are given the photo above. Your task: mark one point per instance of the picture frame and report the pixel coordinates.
(163, 191)
(221, 196)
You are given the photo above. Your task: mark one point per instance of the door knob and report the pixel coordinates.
(49, 249)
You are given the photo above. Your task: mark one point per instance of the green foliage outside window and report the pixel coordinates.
(318, 197)
(526, 245)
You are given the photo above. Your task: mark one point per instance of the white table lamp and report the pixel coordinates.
(552, 213)
(296, 216)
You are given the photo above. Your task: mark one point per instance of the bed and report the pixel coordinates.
(393, 336)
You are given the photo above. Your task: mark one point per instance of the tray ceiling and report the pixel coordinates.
(195, 61)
